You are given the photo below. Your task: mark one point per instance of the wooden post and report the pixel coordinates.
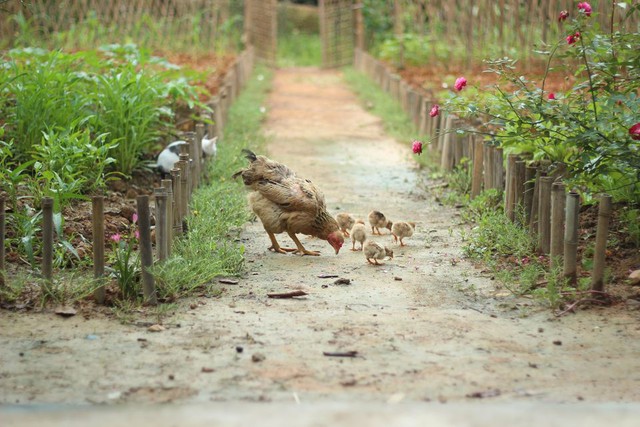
(394, 86)
(184, 188)
(200, 131)
(557, 223)
(498, 164)
(487, 160)
(47, 240)
(169, 208)
(457, 141)
(570, 269)
(218, 119)
(177, 199)
(146, 253)
(359, 23)
(3, 273)
(191, 160)
(544, 214)
(520, 173)
(533, 224)
(161, 223)
(510, 193)
(478, 163)
(602, 233)
(97, 204)
(446, 162)
(529, 182)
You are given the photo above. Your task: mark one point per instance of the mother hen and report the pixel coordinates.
(285, 202)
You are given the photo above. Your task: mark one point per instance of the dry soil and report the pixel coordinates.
(426, 325)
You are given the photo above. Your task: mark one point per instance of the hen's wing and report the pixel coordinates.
(280, 185)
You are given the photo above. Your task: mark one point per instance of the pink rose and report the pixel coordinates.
(634, 131)
(417, 147)
(435, 110)
(137, 234)
(563, 16)
(585, 7)
(460, 83)
(134, 218)
(572, 38)
(116, 237)
(552, 96)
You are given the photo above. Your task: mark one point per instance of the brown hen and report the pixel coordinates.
(284, 202)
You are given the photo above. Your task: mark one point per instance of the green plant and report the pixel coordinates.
(126, 262)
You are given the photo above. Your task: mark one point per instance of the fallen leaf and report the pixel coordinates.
(65, 311)
(228, 281)
(485, 393)
(257, 357)
(207, 370)
(342, 281)
(327, 276)
(156, 328)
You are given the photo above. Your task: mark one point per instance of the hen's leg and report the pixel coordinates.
(276, 247)
(301, 250)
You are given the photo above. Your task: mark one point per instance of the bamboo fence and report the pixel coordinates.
(171, 199)
(156, 23)
(481, 28)
(534, 189)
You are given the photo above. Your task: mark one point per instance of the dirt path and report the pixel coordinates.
(427, 326)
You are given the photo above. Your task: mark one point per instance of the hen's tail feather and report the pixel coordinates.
(250, 155)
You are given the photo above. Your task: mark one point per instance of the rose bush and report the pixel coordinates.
(592, 127)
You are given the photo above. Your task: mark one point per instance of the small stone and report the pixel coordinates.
(207, 370)
(634, 277)
(156, 328)
(540, 330)
(557, 342)
(193, 306)
(633, 304)
(239, 349)
(397, 279)
(257, 357)
(172, 377)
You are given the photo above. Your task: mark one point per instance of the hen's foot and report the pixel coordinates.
(304, 252)
(282, 250)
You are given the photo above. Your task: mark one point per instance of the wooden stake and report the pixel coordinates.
(602, 233)
(557, 223)
(571, 238)
(3, 273)
(169, 207)
(177, 200)
(529, 183)
(161, 224)
(478, 163)
(97, 205)
(520, 173)
(544, 214)
(498, 173)
(446, 162)
(47, 240)
(533, 222)
(509, 198)
(146, 253)
(487, 160)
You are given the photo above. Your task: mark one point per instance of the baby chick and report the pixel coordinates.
(358, 234)
(402, 229)
(378, 220)
(345, 221)
(375, 251)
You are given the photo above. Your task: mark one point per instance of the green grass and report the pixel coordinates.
(218, 210)
(299, 50)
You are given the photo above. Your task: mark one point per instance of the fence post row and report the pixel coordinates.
(528, 187)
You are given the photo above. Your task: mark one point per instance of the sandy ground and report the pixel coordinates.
(427, 326)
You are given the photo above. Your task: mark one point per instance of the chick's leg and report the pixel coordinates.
(276, 247)
(301, 250)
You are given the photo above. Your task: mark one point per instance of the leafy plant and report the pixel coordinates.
(126, 262)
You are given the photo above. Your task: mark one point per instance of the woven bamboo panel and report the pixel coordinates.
(193, 22)
(336, 32)
(262, 28)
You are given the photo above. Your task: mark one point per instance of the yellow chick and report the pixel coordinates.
(345, 221)
(402, 229)
(358, 234)
(377, 221)
(375, 251)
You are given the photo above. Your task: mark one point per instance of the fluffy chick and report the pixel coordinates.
(345, 221)
(375, 251)
(358, 234)
(402, 229)
(377, 221)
